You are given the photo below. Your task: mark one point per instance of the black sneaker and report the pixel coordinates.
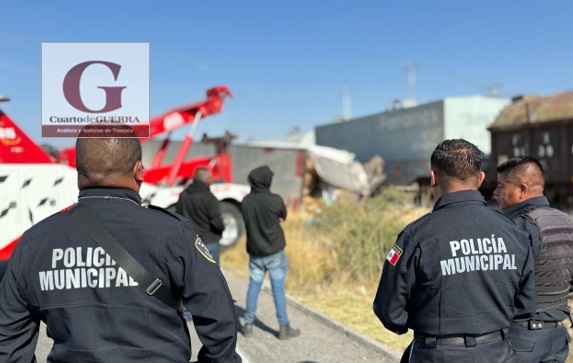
(247, 330)
(287, 332)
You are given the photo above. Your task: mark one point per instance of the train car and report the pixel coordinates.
(541, 127)
(405, 138)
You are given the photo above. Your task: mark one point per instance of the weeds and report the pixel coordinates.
(351, 240)
(336, 257)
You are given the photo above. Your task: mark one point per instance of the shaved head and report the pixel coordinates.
(518, 180)
(526, 170)
(106, 162)
(202, 174)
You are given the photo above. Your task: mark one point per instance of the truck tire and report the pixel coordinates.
(234, 224)
(233, 221)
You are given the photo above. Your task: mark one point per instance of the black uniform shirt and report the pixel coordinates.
(515, 213)
(462, 269)
(93, 310)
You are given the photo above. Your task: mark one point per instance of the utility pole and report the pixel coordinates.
(346, 104)
(493, 89)
(411, 69)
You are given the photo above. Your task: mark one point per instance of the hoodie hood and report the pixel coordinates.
(261, 178)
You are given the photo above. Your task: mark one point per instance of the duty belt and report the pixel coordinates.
(467, 340)
(536, 324)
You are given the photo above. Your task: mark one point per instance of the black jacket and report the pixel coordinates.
(93, 310)
(200, 206)
(262, 212)
(463, 269)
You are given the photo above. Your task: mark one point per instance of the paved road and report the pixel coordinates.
(321, 340)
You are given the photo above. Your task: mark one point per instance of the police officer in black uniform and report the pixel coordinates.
(519, 192)
(96, 312)
(458, 275)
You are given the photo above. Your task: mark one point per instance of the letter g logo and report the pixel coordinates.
(71, 88)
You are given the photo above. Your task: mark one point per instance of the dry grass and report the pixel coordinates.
(336, 257)
(236, 259)
(352, 306)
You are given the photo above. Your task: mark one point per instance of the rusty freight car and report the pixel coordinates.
(540, 127)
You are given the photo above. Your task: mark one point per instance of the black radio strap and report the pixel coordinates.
(153, 286)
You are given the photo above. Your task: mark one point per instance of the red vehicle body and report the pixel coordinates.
(181, 170)
(34, 186)
(16, 147)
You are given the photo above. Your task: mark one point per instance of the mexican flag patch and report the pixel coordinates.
(394, 255)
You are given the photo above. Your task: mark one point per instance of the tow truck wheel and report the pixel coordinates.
(234, 224)
(233, 221)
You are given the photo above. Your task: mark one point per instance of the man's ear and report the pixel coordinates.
(138, 171)
(433, 179)
(481, 178)
(523, 189)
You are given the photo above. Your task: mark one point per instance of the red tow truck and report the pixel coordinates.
(33, 186)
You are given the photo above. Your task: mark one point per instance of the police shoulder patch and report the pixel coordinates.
(200, 246)
(394, 255)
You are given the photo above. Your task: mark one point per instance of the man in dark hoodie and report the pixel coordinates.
(202, 208)
(263, 212)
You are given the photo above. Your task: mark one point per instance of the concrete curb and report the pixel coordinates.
(387, 353)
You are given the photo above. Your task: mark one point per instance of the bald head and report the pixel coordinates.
(109, 162)
(203, 174)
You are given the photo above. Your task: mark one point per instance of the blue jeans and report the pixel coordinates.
(277, 266)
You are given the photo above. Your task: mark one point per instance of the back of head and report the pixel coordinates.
(525, 170)
(202, 174)
(261, 178)
(457, 161)
(107, 162)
